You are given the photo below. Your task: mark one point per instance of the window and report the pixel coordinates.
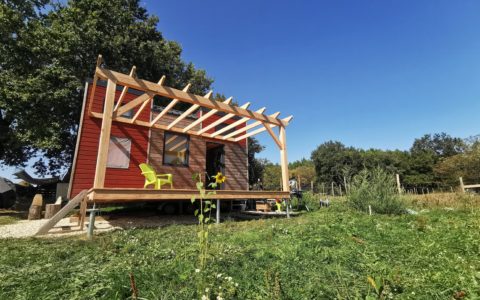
(119, 153)
(127, 114)
(175, 149)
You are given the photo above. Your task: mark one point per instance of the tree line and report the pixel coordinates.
(434, 161)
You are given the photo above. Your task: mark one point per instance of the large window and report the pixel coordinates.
(119, 152)
(175, 149)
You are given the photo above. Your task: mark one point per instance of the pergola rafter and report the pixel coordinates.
(188, 112)
(125, 89)
(248, 127)
(114, 112)
(205, 116)
(235, 124)
(169, 106)
(222, 120)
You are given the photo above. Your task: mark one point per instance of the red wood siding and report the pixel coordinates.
(86, 158)
(84, 171)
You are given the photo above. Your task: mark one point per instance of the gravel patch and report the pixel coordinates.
(28, 228)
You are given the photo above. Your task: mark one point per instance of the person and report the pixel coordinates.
(293, 184)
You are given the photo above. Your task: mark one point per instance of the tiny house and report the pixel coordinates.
(120, 128)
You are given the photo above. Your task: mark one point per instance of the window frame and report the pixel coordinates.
(187, 152)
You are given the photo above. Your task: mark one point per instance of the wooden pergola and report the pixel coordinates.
(258, 120)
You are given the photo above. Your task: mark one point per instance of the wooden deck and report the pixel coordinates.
(119, 195)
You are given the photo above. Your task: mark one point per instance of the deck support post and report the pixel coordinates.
(91, 222)
(105, 135)
(218, 212)
(284, 164)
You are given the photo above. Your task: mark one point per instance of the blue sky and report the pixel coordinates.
(367, 73)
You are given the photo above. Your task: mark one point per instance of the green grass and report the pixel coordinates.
(326, 254)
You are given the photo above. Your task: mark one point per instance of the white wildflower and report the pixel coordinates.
(229, 278)
(219, 298)
(197, 270)
(236, 284)
(219, 275)
(204, 297)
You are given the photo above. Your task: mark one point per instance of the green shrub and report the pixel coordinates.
(311, 200)
(376, 188)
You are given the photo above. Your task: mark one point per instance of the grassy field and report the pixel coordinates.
(326, 254)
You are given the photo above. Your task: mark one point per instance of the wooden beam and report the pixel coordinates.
(471, 186)
(131, 104)
(94, 84)
(284, 160)
(222, 119)
(188, 112)
(262, 129)
(139, 111)
(125, 89)
(273, 135)
(205, 116)
(157, 126)
(168, 107)
(112, 195)
(234, 124)
(104, 140)
(151, 87)
(248, 127)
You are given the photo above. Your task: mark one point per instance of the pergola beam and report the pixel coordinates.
(94, 84)
(205, 116)
(273, 135)
(104, 140)
(233, 125)
(168, 107)
(188, 112)
(222, 119)
(150, 87)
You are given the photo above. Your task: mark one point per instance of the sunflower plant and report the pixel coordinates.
(203, 213)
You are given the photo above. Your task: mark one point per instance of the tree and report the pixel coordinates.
(304, 170)
(256, 166)
(332, 159)
(438, 144)
(466, 165)
(272, 177)
(45, 58)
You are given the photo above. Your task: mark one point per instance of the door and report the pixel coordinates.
(215, 161)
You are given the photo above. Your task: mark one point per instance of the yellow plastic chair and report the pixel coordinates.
(151, 177)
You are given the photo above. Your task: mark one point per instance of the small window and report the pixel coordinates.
(119, 153)
(127, 114)
(175, 149)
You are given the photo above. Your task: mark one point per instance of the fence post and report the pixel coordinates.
(399, 187)
(462, 186)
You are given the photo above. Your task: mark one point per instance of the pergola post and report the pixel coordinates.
(284, 165)
(105, 135)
